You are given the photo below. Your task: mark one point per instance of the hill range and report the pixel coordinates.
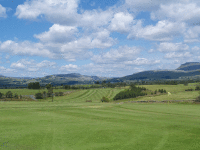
(189, 70)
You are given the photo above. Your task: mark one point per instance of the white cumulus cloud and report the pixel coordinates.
(169, 47)
(162, 31)
(179, 12)
(3, 11)
(56, 11)
(117, 55)
(121, 22)
(58, 34)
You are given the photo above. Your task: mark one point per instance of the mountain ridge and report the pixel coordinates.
(184, 71)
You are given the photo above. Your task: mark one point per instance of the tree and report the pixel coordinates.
(67, 86)
(34, 85)
(50, 90)
(61, 94)
(48, 86)
(103, 82)
(38, 96)
(44, 94)
(1, 95)
(105, 99)
(97, 82)
(16, 96)
(56, 94)
(9, 94)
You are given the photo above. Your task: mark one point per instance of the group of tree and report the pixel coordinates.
(130, 93)
(9, 94)
(34, 85)
(49, 93)
(45, 94)
(166, 82)
(159, 90)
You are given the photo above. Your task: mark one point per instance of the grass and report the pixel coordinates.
(73, 124)
(29, 91)
(31, 125)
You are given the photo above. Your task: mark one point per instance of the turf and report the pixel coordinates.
(73, 124)
(46, 125)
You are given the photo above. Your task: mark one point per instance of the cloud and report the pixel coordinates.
(18, 65)
(25, 48)
(68, 68)
(117, 55)
(151, 5)
(3, 11)
(56, 11)
(58, 34)
(142, 61)
(179, 12)
(178, 55)
(32, 65)
(121, 22)
(100, 39)
(167, 47)
(162, 31)
(95, 18)
(192, 34)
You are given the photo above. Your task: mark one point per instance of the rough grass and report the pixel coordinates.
(177, 92)
(29, 91)
(62, 125)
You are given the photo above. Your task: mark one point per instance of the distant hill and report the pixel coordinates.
(185, 71)
(189, 70)
(189, 66)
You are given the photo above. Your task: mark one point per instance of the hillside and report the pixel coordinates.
(56, 79)
(189, 66)
(189, 70)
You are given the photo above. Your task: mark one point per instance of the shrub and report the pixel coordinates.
(155, 92)
(67, 86)
(197, 88)
(38, 96)
(197, 99)
(16, 96)
(49, 94)
(61, 93)
(105, 99)
(56, 94)
(189, 90)
(9, 94)
(1, 95)
(186, 84)
(151, 93)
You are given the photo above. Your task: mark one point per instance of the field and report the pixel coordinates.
(73, 124)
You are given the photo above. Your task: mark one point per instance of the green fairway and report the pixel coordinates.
(46, 125)
(71, 123)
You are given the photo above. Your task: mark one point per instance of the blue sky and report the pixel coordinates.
(111, 38)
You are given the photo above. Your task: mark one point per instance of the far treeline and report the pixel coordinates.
(98, 84)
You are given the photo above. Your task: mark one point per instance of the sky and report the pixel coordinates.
(108, 38)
